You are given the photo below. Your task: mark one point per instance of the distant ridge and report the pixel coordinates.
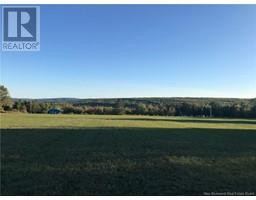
(137, 99)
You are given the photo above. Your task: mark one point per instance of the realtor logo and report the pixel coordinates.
(21, 28)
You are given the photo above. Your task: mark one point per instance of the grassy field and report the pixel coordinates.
(126, 155)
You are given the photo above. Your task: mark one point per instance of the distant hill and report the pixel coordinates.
(173, 106)
(49, 100)
(146, 100)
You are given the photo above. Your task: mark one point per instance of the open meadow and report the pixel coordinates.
(45, 154)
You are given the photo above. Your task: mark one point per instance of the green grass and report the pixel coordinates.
(126, 155)
(14, 120)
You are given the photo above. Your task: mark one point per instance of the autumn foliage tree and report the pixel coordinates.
(5, 99)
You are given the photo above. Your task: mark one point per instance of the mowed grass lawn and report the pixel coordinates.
(126, 155)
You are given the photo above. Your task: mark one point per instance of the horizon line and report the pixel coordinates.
(145, 97)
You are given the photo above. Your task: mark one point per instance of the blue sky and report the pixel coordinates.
(138, 51)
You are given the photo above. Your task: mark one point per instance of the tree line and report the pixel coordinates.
(198, 107)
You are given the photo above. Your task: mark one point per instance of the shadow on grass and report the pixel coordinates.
(127, 161)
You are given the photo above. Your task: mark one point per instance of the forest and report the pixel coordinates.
(198, 107)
